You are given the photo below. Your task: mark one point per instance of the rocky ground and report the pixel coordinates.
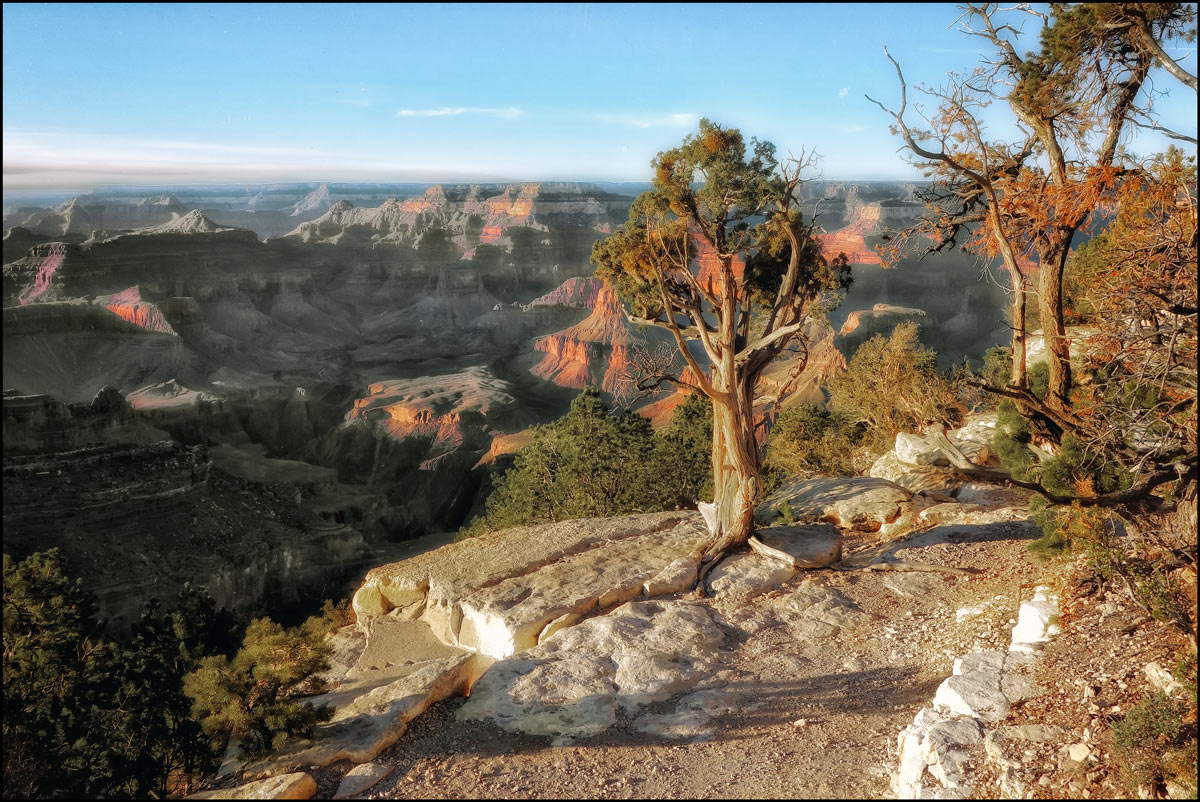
(608, 680)
(820, 719)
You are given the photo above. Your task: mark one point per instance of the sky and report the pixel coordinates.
(158, 94)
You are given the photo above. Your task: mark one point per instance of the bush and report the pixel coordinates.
(810, 440)
(682, 462)
(1010, 443)
(594, 463)
(1154, 745)
(997, 366)
(253, 696)
(892, 385)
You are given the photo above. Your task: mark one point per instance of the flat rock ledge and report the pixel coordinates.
(498, 593)
(935, 749)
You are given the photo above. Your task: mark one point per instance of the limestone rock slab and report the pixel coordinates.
(813, 612)
(496, 594)
(746, 575)
(574, 684)
(814, 546)
(297, 785)
(372, 711)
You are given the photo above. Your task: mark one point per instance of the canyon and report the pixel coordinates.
(353, 361)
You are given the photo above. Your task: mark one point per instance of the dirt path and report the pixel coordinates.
(812, 720)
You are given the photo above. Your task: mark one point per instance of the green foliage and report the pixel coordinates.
(1154, 745)
(1075, 471)
(86, 716)
(1073, 529)
(683, 454)
(810, 440)
(1038, 376)
(997, 366)
(338, 615)
(1010, 442)
(786, 514)
(892, 385)
(594, 463)
(253, 696)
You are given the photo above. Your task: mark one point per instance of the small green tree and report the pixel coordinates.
(892, 384)
(590, 463)
(253, 697)
(594, 462)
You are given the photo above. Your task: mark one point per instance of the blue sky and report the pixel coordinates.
(164, 93)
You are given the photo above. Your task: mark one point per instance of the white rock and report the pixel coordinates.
(677, 577)
(976, 694)
(859, 503)
(1078, 752)
(1160, 678)
(360, 778)
(574, 683)
(747, 575)
(1035, 620)
(917, 450)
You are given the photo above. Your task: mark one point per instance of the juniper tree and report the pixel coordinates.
(718, 253)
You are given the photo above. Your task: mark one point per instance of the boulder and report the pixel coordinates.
(744, 576)
(914, 449)
(360, 778)
(917, 478)
(857, 503)
(809, 546)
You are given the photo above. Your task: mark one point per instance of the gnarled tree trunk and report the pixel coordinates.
(737, 469)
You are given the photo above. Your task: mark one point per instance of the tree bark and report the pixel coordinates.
(1018, 323)
(737, 473)
(1054, 332)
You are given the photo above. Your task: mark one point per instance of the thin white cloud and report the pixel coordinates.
(636, 121)
(843, 92)
(454, 111)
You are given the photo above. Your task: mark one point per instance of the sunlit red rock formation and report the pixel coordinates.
(595, 351)
(575, 291)
(851, 239)
(856, 318)
(710, 267)
(130, 306)
(434, 406)
(48, 259)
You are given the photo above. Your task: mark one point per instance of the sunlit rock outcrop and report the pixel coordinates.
(851, 239)
(593, 352)
(435, 406)
(130, 305)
